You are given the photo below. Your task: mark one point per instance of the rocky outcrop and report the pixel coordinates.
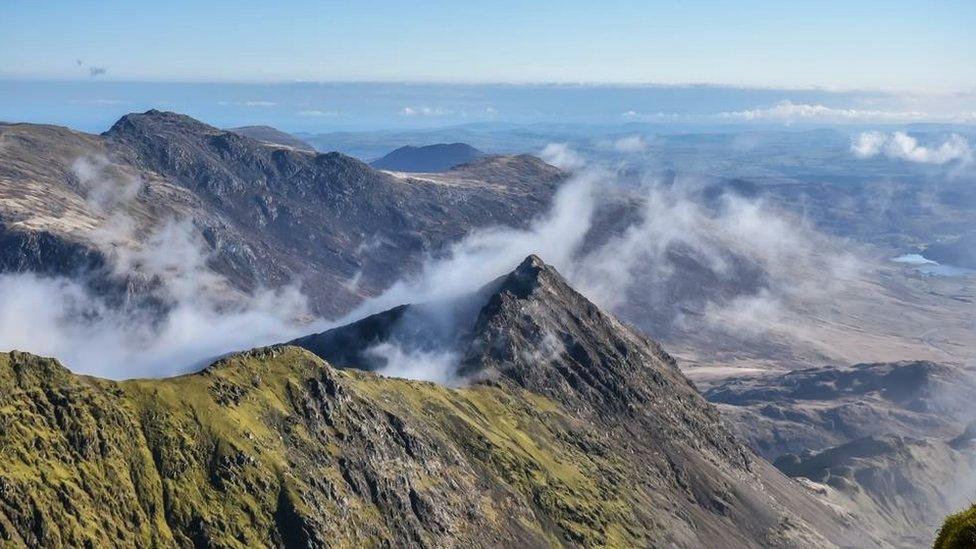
(533, 333)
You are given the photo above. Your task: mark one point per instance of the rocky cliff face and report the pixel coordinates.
(598, 442)
(269, 215)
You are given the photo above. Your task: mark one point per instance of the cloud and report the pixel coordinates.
(96, 71)
(203, 316)
(488, 253)
(423, 111)
(900, 145)
(562, 156)
(652, 117)
(317, 113)
(763, 257)
(199, 315)
(250, 103)
(787, 111)
(632, 144)
(409, 363)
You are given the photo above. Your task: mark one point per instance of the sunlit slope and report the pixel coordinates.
(275, 446)
(959, 531)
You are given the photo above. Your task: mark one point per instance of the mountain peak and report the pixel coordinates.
(438, 157)
(527, 276)
(157, 121)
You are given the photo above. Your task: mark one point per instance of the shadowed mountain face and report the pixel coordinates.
(429, 158)
(268, 215)
(272, 136)
(597, 441)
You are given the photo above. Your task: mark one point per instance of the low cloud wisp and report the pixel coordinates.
(191, 314)
(901, 146)
(763, 254)
(743, 243)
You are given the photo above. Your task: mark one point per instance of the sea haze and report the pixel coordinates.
(92, 106)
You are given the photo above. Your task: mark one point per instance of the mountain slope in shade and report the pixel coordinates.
(599, 443)
(428, 158)
(273, 136)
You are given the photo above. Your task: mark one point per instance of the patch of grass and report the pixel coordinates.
(958, 531)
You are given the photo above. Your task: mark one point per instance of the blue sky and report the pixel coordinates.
(894, 44)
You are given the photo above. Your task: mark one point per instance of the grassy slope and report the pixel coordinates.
(275, 446)
(958, 531)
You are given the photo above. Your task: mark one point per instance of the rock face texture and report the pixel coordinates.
(889, 442)
(599, 441)
(428, 158)
(273, 136)
(815, 408)
(267, 215)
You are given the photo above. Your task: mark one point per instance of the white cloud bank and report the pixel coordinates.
(423, 111)
(637, 260)
(631, 144)
(900, 145)
(787, 111)
(562, 156)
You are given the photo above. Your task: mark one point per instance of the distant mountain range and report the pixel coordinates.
(440, 157)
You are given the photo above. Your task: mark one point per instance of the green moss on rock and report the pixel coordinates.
(274, 447)
(958, 531)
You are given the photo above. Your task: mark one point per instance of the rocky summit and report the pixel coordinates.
(570, 430)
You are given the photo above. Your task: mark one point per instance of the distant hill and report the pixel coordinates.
(430, 158)
(273, 136)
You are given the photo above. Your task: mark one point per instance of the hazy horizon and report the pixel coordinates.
(93, 105)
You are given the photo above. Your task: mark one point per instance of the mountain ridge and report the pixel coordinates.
(275, 446)
(256, 208)
(274, 137)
